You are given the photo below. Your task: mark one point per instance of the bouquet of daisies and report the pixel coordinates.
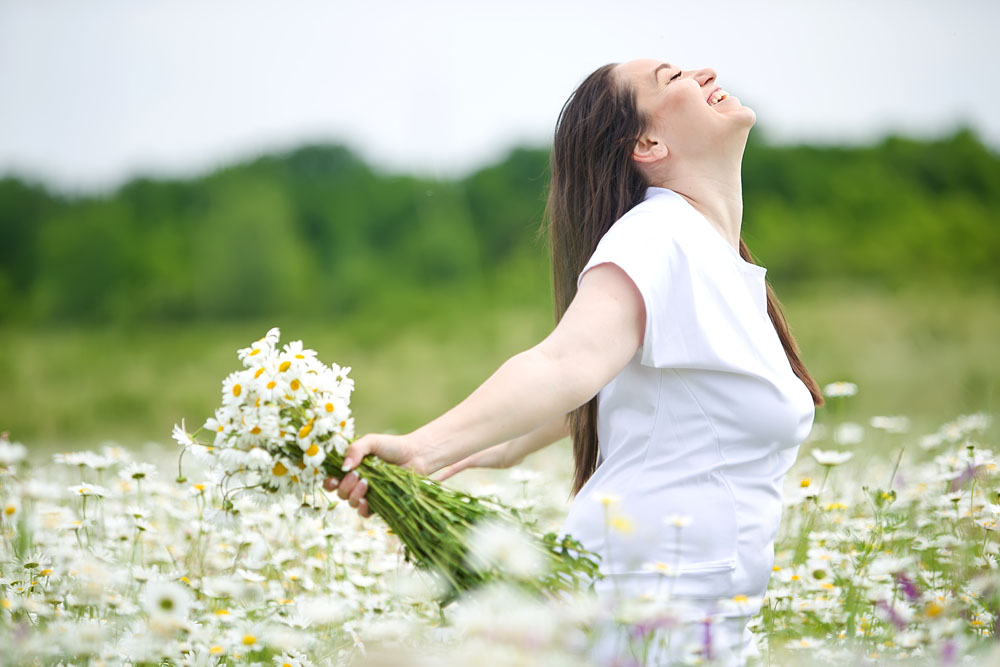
(283, 427)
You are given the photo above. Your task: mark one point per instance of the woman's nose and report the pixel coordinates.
(705, 76)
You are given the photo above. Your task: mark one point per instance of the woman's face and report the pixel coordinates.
(685, 114)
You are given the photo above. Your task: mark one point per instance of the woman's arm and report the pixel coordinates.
(541, 437)
(512, 452)
(597, 336)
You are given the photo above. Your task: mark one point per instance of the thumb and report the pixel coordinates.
(358, 450)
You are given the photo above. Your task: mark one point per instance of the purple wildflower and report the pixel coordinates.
(962, 479)
(908, 586)
(707, 638)
(948, 653)
(893, 615)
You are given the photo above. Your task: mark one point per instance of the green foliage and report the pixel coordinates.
(898, 213)
(315, 232)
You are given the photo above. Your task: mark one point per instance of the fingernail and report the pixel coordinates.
(347, 465)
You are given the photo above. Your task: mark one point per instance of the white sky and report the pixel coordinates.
(93, 92)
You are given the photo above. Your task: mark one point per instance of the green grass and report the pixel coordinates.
(930, 356)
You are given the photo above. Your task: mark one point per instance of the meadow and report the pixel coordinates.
(891, 555)
(112, 557)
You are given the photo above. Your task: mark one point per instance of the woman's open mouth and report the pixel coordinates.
(717, 96)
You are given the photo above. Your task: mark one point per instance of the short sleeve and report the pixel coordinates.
(645, 246)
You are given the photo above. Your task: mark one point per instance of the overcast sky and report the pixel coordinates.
(95, 91)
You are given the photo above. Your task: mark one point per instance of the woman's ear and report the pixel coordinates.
(647, 150)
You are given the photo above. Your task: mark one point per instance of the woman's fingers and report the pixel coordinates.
(347, 485)
(352, 489)
(357, 493)
(448, 471)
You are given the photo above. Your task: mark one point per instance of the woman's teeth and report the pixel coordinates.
(717, 97)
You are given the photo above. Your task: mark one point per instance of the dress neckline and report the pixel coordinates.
(745, 265)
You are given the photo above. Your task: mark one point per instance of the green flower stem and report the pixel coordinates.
(432, 522)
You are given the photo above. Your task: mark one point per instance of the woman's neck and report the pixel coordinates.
(715, 193)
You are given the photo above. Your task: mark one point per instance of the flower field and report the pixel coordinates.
(106, 559)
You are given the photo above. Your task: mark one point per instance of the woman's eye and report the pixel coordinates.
(676, 75)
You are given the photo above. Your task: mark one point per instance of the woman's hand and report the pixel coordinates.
(398, 449)
(497, 456)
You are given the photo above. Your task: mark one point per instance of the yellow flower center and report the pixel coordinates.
(255, 430)
(199, 487)
(285, 365)
(254, 352)
(260, 371)
(249, 640)
(46, 572)
(740, 598)
(329, 407)
(294, 384)
(278, 470)
(306, 430)
(10, 509)
(237, 390)
(215, 650)
(622, 524)
(271, 384)
(313, 450)
(805, 482)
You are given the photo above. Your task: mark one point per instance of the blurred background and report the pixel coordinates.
(177, 177)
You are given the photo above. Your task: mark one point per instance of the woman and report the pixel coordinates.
(671, 365)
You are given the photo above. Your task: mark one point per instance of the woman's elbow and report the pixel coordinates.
(579, 374)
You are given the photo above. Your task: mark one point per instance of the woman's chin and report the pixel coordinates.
(745, 111)
(736, 108)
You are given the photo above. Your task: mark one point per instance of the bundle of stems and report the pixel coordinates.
(434, 521)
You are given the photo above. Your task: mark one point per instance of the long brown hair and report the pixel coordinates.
(594, 182)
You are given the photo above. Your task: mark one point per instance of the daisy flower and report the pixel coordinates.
(840, 389)
(831, 457)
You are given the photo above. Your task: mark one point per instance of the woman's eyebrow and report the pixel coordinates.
(657, 70)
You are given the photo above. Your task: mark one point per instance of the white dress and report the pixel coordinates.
(700, 426)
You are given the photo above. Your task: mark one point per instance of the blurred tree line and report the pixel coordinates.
(316, 232)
